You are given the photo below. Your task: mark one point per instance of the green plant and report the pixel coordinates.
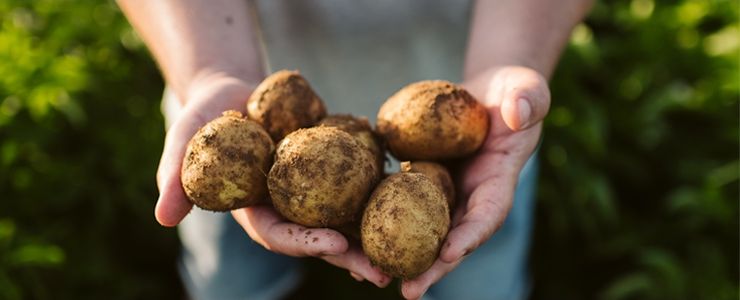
(638, 194)
(79, 133)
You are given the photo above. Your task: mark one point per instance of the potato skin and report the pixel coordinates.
(404, 225)
(359, 128)
(437, 173)
(225, 164)
(432, 120)
(284, 102)
(322, 177)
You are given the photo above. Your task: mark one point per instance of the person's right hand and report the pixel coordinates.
(206, 99)
(266, 227)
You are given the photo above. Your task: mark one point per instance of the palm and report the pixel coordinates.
(491, 176)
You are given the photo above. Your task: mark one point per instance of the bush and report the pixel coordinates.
(80, 130)
(638, 194)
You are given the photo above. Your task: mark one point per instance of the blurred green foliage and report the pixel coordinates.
(638, 191)
(80, 130)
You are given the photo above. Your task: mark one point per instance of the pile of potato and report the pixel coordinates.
(328, 171)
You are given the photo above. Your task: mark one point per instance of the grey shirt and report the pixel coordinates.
(357, 53)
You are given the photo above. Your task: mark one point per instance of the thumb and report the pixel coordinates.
(526, 98)
(172, 205)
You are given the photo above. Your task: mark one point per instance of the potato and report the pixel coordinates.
(432, 120)
(322, 177)
(284, 102)
(361, 130)
(404, 224)
(226, 163)
(437, 173)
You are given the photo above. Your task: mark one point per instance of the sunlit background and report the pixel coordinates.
(638, 194)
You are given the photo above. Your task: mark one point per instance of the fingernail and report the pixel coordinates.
(466, 253)
(382, 282)
(525, 112)
(356, 276)
(329, 253)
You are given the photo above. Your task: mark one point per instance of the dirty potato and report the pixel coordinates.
(226, 163)
(432, 120)
(437, 173)
(404, 224)
(359, 128)
(322, 176)
(284, 102)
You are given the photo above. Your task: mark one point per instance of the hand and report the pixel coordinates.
(517, 99)
(207, 99)
(266, 227)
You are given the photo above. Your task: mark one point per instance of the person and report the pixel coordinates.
(356, 54)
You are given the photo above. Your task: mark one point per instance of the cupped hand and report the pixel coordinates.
(517, 99)
(206, 100)
(276, 234)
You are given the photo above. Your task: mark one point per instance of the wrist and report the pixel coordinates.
(491, 72)
(209, 96)
(479, 83)
(473, 70)
(205, 81)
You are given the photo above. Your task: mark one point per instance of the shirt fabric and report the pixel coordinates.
(358, 53)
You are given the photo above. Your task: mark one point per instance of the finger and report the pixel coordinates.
(526, 98)
(266, 227)
(172, 205)
(415, 288)
(486, 211)
(359, 264)
(356, 276)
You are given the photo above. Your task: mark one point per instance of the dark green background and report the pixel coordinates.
(638, 196)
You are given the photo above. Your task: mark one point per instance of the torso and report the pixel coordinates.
(357, 53)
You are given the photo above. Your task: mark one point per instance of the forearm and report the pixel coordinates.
(193, 40)
(528, 33)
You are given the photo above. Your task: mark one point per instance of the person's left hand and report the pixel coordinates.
(517, 99)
